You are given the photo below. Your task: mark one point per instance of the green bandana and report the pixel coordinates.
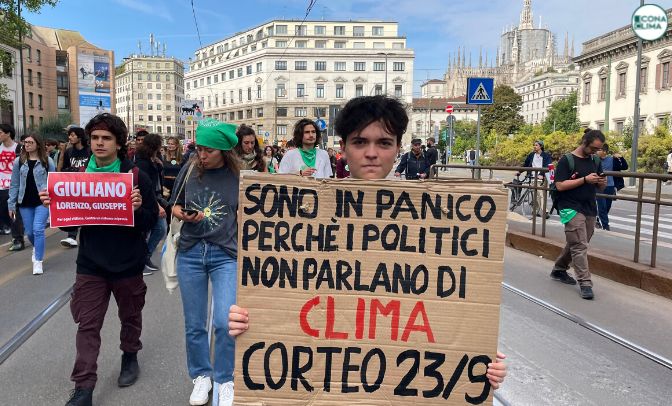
(309, 156)
(113, 167)
(566, 215)
(211, 133)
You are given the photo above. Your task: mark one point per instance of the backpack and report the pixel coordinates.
(554, 192)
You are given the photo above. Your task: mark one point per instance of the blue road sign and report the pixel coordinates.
(321, 124)
(480, 90)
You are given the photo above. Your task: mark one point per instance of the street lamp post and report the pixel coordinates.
(385, 54)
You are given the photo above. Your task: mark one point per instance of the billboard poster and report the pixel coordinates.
(93, 83)
(191, 110)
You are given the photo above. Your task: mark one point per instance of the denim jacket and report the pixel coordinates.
(17, 186)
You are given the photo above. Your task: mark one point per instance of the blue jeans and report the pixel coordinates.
(603, 207)
(156, 234)
(195, 266)
(34, 223)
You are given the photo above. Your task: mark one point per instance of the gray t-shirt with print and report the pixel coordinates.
(216, 195)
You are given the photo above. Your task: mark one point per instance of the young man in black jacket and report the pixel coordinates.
(414, 162)
(110, 261)
(74, 158)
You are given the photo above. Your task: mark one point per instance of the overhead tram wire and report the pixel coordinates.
(198, 32)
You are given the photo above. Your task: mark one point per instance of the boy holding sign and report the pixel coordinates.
(371, 128)
(110, 261)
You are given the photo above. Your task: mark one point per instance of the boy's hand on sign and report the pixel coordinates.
(44, 197)
(136, 199)
(497, 371)
(308, 171)
(239, 320)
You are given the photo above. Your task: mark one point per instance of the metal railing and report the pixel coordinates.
(640, 199)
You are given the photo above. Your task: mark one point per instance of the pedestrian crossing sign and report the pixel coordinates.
(480, 90)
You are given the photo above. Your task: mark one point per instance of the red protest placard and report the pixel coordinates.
(88, 199)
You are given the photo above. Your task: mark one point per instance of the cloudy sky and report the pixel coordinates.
(434, 28)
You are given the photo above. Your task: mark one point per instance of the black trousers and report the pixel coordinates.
(5, 220)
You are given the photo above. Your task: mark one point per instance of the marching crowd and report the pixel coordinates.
(170, 183)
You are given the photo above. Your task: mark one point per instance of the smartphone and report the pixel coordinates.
(189, 212)
(601, 175)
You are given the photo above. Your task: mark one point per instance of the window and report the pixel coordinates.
(603, 89)
(232, 115)
(63, 102)
(300, 90)
(398, 91)
(159, 96)
(39, 102)
(320, 111)
(300, 112)
(301, 30)
(320, 44)
(398, 66)
(280, 65)
(281, 130)
(339, 66)
(239, 113)
(397, 45)
(240, 72)
(643, 74)
(259, 66)
(30, 99)
(621, 84)
(168, 129)
(378, 90)
(249, 94)
(258, 91)
(339, 30)
(232, 74)
(319, 91)
(358, 45)
(281, 112)
(260, 111)
(378, 31)
(30, 77)
(141, 107)
(280, 90)
(358, 31)
(150, 96)
(339, 91)
(301, 65)
(360, 66)
(188, 87)
(379, 66)
(378, 45)
(586, 91)
(141, 117)
(248, 113)
(38, 56)
(150, 118)
(248, 69)
(359, 90)
(28, 57)
(240, 95)
(301, 44)
(281, 44)
(281, 29)
(39, 79)
(320, 65)
(666, 75)
(339, 44)
(619, 127)
(208, 81)
(320, 30)
(231, 96)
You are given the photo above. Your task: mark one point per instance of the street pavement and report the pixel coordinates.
(552, 361)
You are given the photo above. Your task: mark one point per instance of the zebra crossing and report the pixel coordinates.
(627, 225)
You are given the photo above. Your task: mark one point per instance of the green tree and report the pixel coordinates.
(52, 127)
(12, 26)
(562, 116)
(465, 136)
(503, 115)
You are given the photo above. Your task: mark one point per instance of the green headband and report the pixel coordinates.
(211, 133)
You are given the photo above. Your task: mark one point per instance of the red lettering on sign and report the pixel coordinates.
(305, 326)
(392, 307)
(411, 326)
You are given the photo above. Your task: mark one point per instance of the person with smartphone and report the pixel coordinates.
(578, 181)
(206, 200)
(610, 163)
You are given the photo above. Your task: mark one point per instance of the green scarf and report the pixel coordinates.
(309, 156)
(113, 167)
(566, 215)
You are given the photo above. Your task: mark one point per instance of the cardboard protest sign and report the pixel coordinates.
(86, 199)
(368, 292)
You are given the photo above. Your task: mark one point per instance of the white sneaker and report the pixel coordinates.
(69, 242)
(226, 394)
(37, 268)
(202, 387)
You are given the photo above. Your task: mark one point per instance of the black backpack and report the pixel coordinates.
(554, 192)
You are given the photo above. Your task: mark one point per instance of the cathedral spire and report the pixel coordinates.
(565, 54)
(526, 20)
(464, 57)
(571, 50)
(480, 57)
(458, 57)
